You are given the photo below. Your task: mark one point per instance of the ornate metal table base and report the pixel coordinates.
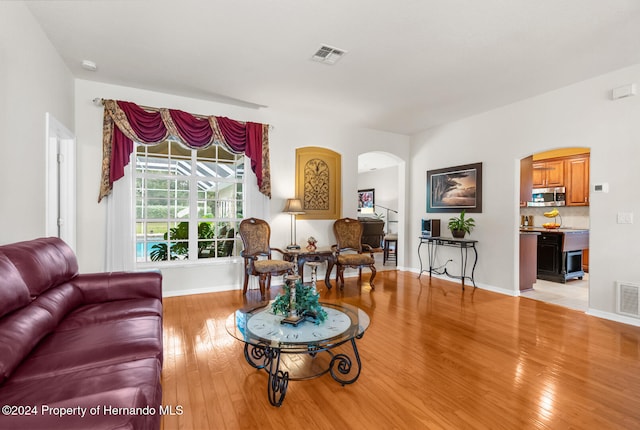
(464, 244)
(265, 357)
(306, 351)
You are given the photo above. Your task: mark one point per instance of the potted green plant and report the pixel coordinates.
(459, 226)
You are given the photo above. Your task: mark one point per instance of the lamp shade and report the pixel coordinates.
(293, 206)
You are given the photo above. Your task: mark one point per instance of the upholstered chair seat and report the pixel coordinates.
(355, 259)
(268, 266)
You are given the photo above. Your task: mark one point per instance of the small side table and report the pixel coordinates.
(319, 255)
(433, 243)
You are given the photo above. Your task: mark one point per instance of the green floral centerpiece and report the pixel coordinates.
(307, 303)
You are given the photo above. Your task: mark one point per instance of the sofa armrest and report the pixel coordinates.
(108, 286)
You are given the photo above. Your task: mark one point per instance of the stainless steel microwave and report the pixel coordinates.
(548, 197)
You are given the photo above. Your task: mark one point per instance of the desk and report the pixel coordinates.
(319, 255)
(433, 243)
(267, 343)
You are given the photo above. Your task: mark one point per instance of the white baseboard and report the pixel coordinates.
(203, 290)
(614, 317)
(467, 283)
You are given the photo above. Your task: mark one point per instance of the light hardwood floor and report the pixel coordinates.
(433, 357)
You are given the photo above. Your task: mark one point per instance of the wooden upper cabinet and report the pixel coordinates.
(548, 174)
(577, 180)
(526, 172)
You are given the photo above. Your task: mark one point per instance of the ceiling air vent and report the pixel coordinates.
(328, 54)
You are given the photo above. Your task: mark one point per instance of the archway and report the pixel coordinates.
(386, 174)
(567, 171)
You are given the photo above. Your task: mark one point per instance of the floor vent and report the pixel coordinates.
(628, 299)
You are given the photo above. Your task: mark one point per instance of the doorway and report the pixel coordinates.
(60, 206)
(384, 175)
(566, 170)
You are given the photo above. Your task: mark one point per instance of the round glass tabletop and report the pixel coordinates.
(262, 326)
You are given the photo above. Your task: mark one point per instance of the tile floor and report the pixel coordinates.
(574, 294)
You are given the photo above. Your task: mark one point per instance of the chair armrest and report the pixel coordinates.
(108, 286)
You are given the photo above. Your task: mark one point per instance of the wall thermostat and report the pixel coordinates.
(601, 188)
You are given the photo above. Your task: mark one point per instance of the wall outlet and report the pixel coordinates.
(625, 217)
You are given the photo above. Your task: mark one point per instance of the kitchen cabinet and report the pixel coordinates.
(526, 180)
(577, 181)
(528, 259)
(548, 173)
(585, 260)
(560, 254)
(549, 255)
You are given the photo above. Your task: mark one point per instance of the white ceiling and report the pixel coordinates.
(411, 64)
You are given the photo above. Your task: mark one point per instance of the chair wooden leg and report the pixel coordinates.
(373, 275)
(269, 281)
(340, 276)
(246, 282)
(262, 282)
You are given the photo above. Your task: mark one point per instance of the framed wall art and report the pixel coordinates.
(455, 188)
(366, 200)
(318, 183)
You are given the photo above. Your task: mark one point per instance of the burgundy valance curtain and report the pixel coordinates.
(126, 122)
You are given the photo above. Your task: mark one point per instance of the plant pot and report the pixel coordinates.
(458, 234)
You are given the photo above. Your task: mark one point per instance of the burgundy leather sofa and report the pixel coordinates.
(77, 351)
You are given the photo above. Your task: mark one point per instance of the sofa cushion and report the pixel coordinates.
(144, 374)
(60, 301)
(131, 384)
(98, 313)
(134, 384)
(68, 351)
(19, 334)
(43, 263)
(14, 293)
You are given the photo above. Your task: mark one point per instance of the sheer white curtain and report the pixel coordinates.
(121, 238)
(256, 203)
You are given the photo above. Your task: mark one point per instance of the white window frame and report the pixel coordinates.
(194, 221)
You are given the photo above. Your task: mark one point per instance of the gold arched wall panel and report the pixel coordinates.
(318, 182)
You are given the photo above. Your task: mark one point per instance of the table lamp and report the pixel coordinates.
(293, 208)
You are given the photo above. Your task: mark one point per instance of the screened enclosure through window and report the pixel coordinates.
(188, 202)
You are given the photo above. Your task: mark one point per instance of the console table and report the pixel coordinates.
(319, 255)
(433, 243)
(268, 344)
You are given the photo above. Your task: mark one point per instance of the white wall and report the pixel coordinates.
(581, 115)
(33, 81)
(288, 133)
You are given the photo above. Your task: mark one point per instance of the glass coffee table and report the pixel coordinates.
(293, 353)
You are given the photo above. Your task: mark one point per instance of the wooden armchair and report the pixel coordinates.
(350, 251)
(255, 234)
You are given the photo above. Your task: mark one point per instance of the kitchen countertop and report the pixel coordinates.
(535, 229)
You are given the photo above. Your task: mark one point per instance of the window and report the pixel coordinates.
(188, 202)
